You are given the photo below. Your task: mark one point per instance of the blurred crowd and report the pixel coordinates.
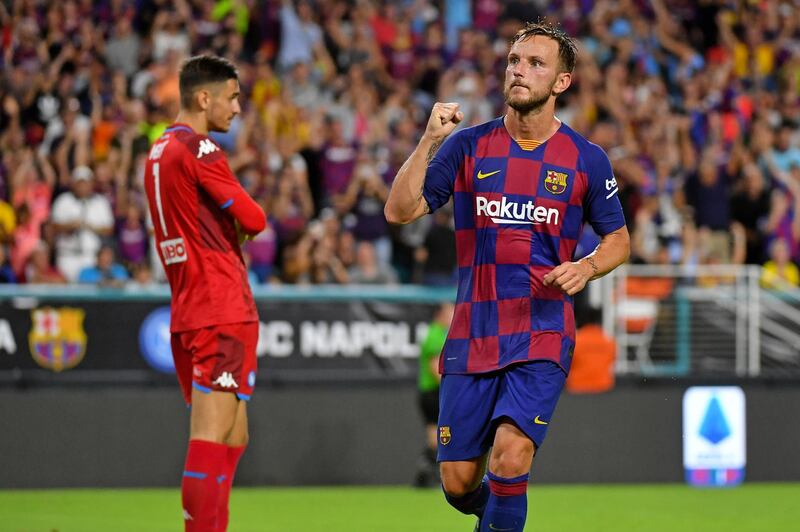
(697, 103)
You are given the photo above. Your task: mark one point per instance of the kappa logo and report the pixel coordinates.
(444, 435)
(187, 516)
(226, 380)
(206, 146)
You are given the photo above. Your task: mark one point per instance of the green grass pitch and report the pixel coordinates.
(584, 508)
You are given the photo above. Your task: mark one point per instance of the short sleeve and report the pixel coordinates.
(601, 205)
(441, 174)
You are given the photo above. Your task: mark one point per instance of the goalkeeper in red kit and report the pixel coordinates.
(200, 214)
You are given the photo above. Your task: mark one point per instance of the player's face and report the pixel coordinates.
(533, 74)
(223, 105)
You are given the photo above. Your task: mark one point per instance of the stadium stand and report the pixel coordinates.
(697, 104)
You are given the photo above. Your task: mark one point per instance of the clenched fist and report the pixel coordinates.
(570, 277)
(443, 120)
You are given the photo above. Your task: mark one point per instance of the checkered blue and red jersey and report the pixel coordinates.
(194, 199)
(518, 214)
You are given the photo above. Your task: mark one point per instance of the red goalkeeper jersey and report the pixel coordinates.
(194, 201)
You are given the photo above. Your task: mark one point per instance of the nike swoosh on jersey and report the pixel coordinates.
(481, 175)
(539, 421)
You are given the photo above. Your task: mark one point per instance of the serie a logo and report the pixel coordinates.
(57, 339)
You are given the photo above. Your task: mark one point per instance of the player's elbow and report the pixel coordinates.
(261, 223)
(394, 215)
(254, 224)
(400, 213)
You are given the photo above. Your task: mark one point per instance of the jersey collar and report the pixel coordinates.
(177, 126)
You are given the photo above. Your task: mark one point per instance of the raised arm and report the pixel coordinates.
(405, 202)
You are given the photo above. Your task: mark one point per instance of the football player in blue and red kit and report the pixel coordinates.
(522, 187)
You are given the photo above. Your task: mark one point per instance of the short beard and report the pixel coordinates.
(532, 105)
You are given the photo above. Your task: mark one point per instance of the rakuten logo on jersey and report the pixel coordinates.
(512, 212)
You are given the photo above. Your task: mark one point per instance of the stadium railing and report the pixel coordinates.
(700, 321)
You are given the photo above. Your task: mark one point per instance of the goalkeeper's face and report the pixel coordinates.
(533, 74)
(223, 105)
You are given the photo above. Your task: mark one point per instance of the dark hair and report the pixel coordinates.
(567, 50)
(202, 70)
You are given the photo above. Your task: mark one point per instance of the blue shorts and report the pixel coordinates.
(472, 405)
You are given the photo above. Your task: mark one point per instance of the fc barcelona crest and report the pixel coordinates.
(57, 339)
(555, 182)
(444, 435)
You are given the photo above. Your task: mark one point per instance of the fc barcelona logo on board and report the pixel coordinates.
(57, 339)
(555, 182)
(444, 435)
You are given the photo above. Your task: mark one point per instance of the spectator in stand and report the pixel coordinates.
(367, 269)
(365, 197)
(780, 273)
(292, 206)
(346, 249)
(7, 275)
(750, 206)
(301, 35)
(26, 237)
(262, 251)
(123, 48)
(784, 215)
(40, 269)
(33, 184)
(325, 267)
(786, 152)
(106, 272)
(437, 256)
(81, 220)
(703, 190)
(142, 277)
(8, 222)
(131, 236)
(338, 159)
(663, 86)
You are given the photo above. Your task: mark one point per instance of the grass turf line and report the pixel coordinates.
(584, 508)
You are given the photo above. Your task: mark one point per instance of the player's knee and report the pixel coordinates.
(455, 481)
(512, 460)
(217, 432)
(238, 440)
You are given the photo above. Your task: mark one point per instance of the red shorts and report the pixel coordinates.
(220, 358)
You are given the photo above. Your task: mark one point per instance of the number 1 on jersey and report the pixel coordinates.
(159, 208)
